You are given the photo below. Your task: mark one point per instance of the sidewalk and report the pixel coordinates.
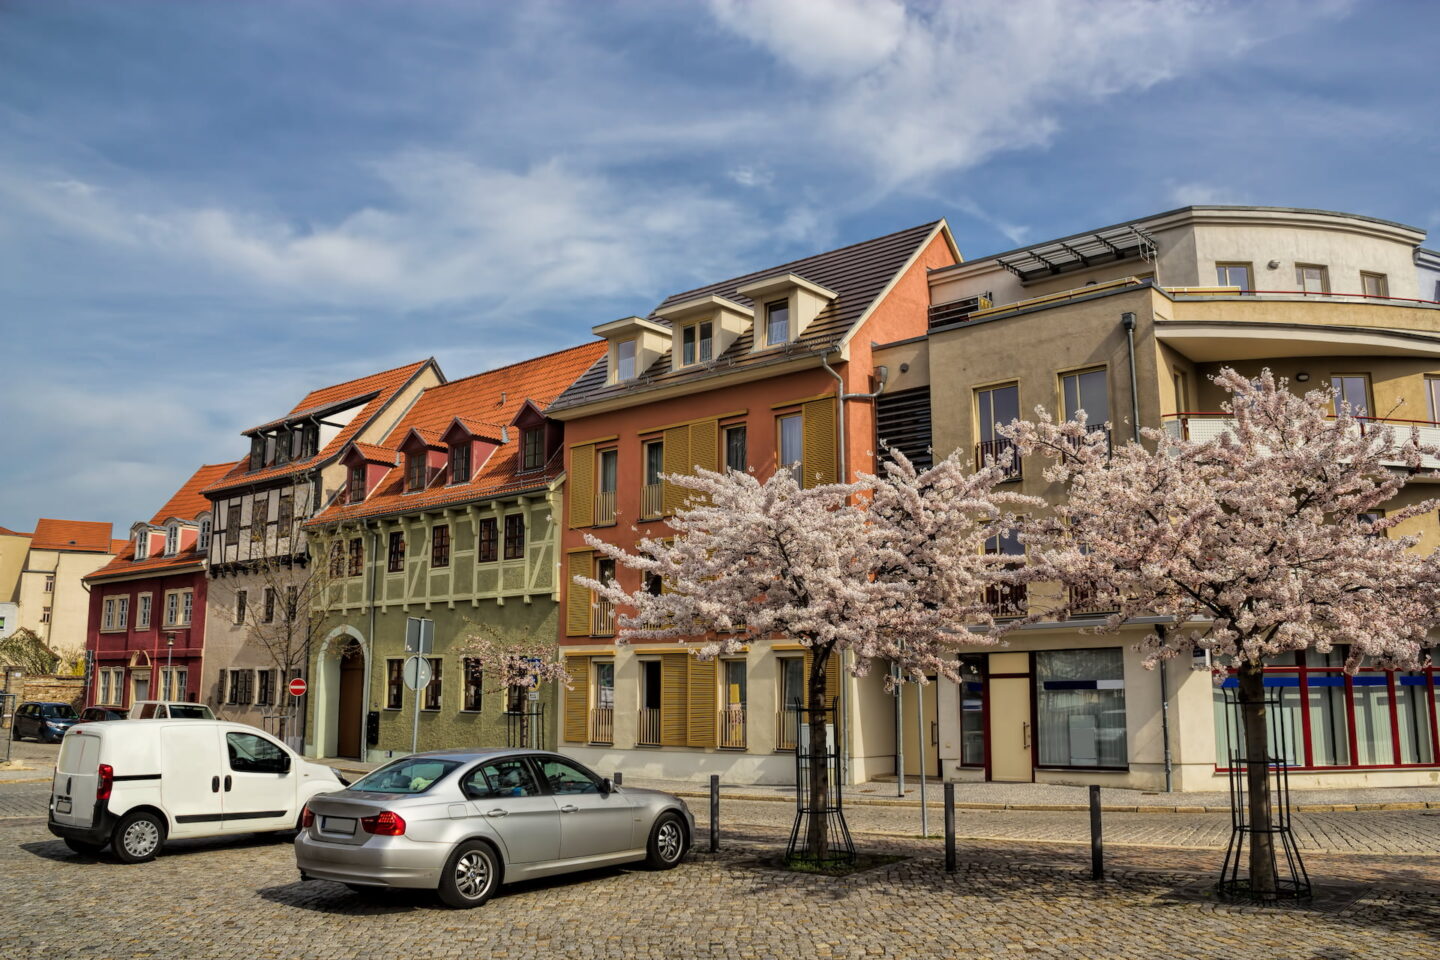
(1030, 796)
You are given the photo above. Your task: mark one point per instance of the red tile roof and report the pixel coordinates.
(493, 397)
(375, 454)
(7, 532)
(379, 388)
(80, 536)
(188, 502)
(118, 546)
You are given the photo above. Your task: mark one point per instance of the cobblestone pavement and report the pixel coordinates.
(242, 899)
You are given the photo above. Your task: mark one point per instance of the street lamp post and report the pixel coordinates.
(169, 673)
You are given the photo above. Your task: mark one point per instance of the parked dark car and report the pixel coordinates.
(98, 714)
(46, 722)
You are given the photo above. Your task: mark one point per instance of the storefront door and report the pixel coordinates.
(929, 728)
(1007, 699)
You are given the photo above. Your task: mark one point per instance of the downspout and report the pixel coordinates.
(370, 657)
(1127, 319)
(882, 374)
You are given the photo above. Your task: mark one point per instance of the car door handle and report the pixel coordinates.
(227, 783)
(497, 812)
(214, 784)
(569, 808)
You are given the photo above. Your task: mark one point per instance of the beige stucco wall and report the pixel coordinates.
(12, 561)
(69, 603)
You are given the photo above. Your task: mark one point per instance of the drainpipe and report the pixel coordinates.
(882, 374)
(370, 656)
(1127, 320)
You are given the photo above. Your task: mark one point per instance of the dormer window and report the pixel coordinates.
(625, 360)
(204, 541)
(282, 447)
(142, 545)
(695, 343)
(415, 471)
(777, 322)
(356, 490)
(532, 448)
(172, 540)
(257, 452)
(460, 463)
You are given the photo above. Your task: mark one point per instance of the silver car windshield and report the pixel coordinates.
(406, 776)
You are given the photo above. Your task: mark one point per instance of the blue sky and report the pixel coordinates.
(207, 208)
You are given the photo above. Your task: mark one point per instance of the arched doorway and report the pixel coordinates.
(350, 704)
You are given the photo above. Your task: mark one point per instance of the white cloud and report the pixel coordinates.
(837, 38)
(1188, 194)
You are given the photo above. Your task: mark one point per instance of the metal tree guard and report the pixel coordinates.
(1294, 883)
(840, 847)
(526, 727)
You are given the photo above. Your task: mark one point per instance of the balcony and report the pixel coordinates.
(602, 725)
(647, 728)
(1083, 603)
(652, 500)
(604, 508)
(997, 450)
(958, 311)
(602, 617)
(1006, 600)
(787, 729)
(732, 728)
(1203, 427)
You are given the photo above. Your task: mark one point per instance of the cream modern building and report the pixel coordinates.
(1330, 300)
(42, 574)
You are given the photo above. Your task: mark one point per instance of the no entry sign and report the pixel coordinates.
(298, 687)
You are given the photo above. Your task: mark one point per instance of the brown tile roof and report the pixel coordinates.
(7, 532)
(379, 388)
(493, 397)
(858, 273)
(80, 536)
(188, 502)
(126, 565)
(375, 454)
(118, 546)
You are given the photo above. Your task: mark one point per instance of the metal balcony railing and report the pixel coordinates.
(647, 730)
(602, 725)
(652, 500)
(1202, 427)
(1006, 599)
(604, 508)
(732, 728)
(602, 617)
(999, 450)
(1083, 602)
(787, 729)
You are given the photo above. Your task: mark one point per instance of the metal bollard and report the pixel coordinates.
(1097, 845)
(618, 779)
(714, 812)
(949, 826)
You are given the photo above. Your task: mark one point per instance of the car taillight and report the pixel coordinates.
(307, 818)
(107, 781)
(385, 824)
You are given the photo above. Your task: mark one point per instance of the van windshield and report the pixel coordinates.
(406, 776)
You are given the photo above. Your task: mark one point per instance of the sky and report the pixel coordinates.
(209, 208)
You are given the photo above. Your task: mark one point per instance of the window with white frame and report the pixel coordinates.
(204, 541)
(172, 540)
(187, 607)
(1312, 277)
(44, 614)
(777, 322)
(143, 611)
(49, 583)
(696, 343)
(142, 544)
(625, 359)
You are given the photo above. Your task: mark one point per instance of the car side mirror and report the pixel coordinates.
(284, 763)
(606, 787)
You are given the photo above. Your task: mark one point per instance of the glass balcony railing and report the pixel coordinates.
(1203, 427)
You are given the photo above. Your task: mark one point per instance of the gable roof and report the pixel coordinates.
(188, 502)
(76, 536)
(491, 397)
(859, 274)
(7, 532)
(185, 503)
(375, 391)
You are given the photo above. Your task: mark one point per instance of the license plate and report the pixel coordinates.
(338, 825)
(62, 805)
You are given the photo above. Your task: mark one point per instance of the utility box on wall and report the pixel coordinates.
(372, 728)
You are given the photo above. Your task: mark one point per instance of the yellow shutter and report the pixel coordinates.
(705, 444)
(677, 461)
(582, 485)
(818, 457)
(673, 699)
(581, 563)
(832, 676)
(700, 729)
(577, 700)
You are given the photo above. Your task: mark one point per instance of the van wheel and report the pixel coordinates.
(667, 843)
(138, 837)
(84, 848)
(471, 875)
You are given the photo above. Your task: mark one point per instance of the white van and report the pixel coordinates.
(133, 784)
(173, 709)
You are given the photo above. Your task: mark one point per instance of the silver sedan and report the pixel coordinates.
(463, 822)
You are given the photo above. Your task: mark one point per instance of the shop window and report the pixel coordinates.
(1080, 707)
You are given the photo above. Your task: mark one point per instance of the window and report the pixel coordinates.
(460, 463)
(1352, 389)
(777, 322)
(257, 452)
(142, 612)
(394, 684)
(473, 694)
(432, 691)
(292, 603)
(695, 343)
(173, 683)
(414, 471)
(735, 448)
(259, 515)
(1312, 278)
(792, 437)
(204, 542)
(269, 604)
(285, 515)
(172, 540)
(488, 540)
(122, 612)
(49, 583)
(1432, 394)
(996, 405)
(232, 521)
(652, 495)
(515, 536)
(1006, 599)
(282, 447)
(651, 684)
(310, 440)
(242, 687)
(654, 583)
(1374, 284)
(1233, 275)
(625, 360)
(241, 596)
(501, 778)
(440, 545)
(792, 698)
(265, 689)
(396, 562)
(732, 710)
(972, 711)
(357, 556)
(532, 444)
(1080, 707)
(566, 778)
(406, 776)
(44, 614)
(107, 620)
(142, 544)
(1088, 391)
(187, 607)
(337, 559)
(172, 609)
(356, 491)
(605, 496)
(250, 753)
(112, 685)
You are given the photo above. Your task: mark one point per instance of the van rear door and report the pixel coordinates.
(77, 774)
(191, 777)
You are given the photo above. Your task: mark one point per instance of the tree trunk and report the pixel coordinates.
(1257, 780)
(818, 835)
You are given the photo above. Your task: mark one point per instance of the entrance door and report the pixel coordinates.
(929, 728)
(1008, 703)
(351, 702)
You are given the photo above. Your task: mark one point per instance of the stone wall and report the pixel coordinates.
(69, 690)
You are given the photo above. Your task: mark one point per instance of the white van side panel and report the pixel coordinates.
(191, 773)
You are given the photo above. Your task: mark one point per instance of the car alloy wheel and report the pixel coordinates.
(471, 875)
(667, 842)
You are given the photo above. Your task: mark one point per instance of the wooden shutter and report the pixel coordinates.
(700, 728)
(818, 456)
(832, 675)
(582, 485)
(577, 700)
(581, 563)
(705, 444)
(673, 699)
(677, 461)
